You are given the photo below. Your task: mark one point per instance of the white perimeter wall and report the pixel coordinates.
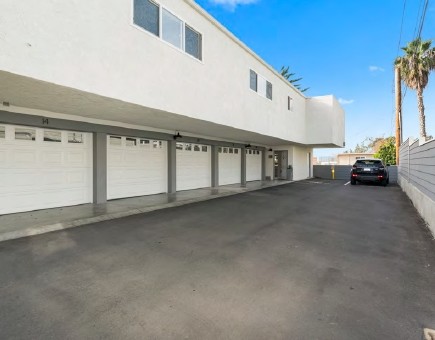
(92, 45)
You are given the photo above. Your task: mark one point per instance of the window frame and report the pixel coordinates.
(263, 80)
(183, 27)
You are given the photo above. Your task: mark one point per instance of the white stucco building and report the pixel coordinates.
(109, 99)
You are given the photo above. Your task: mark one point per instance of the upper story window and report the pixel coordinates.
(172, 29)
(290, 103)
(147, 16)
(260, 85)
(159, 21)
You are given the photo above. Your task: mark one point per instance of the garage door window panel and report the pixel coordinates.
(115, 141)
(130, 142)
(144, 143)
(2, 132)
(53, 136)
(179, 146)
(25, 134)
(75, 138)
(204, 149)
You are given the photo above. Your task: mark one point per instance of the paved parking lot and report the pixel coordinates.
(308, 260)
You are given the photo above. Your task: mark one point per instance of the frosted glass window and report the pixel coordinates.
(231, 150)
(52, 136)
(253, 80)
(25, 134)
(146, 15)
(144, 142)
(75, 137)
(204, 148)
(268, 90)
(179, 146)
(196, 148)
(220, 150)
(2, 132)
(188, 147)
(172, 29)
(192, 42)
(236, 151)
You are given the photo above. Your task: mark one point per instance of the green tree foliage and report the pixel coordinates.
(285, 72)
(414, 67)
(387, 151)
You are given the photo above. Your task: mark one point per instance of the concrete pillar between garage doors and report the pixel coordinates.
(243, 164)
(172, 167)
(99, 167)
(214, 166)
(263, 164)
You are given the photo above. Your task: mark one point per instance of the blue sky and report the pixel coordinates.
(340, 47)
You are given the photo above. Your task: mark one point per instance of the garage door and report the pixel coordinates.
(253, 165)
(136, 167)
(193, 166)
(42, 168)
(229, 166)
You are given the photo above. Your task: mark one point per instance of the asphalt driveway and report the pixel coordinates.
(308, 260)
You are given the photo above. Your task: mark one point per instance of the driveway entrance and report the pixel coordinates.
(308, 260)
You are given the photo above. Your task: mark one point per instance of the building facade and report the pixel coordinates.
(352, 157)
(104, 100)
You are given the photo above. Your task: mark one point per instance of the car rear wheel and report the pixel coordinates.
(352, 181)
(384, 182)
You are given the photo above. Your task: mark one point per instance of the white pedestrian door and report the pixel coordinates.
(136, 167)
(253, 165)
(193, 166)
(43, 168)
(229, 165)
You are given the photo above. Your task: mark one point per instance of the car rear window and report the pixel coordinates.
(368, 162)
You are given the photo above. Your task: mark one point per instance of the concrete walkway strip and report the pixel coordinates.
(24, 226)
(347, 183)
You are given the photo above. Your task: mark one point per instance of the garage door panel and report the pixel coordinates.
(193, 167)
(75, 158)
(136, 169)
(229, 166)
(12, 181)
(39, 175)
(23, 157)
(3, 158)
(253, 165)
(54, 158)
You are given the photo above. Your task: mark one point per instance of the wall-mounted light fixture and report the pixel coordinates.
(177, 136)
(247, 145)
(270, 149)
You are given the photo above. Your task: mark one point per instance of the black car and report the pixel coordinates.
(369, 170)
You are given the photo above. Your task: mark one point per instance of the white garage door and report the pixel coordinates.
(136, 167)
(253, 165)
(229, 166)
(193, 166)
(42, 168)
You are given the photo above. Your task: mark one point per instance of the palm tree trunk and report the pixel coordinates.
(421, 110)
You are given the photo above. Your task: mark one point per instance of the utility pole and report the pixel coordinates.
(398, 112)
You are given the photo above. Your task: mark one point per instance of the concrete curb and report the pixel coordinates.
(111, 216)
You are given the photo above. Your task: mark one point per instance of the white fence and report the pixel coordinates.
(417, 177)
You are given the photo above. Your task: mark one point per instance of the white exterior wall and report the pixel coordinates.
(300, 161)
(325, 120)
(93, 46)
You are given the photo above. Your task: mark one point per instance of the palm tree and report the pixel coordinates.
(414, 67)
(285, 72)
